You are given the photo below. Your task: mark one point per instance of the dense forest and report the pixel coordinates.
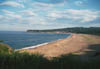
(90, 30)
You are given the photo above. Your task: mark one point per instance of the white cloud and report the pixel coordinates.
(8, 12)
(11, 14)
(80, 15)
(35, 20)
(28, 13)
(14, 16)
(46, 5)
(32, 19)
(40, 4)
(10, 17)
(23, 17)
(12, 4)
(1, 16)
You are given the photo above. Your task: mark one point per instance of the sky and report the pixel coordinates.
(21, 15)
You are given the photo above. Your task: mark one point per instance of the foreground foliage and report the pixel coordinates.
(5, 49)
(27, 61)
(16, 60)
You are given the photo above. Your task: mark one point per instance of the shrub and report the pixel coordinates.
(5, 49)
(16, 60)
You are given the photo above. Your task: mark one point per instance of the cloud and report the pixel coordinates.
(7, 12)
(27, 17)
(46, 6)
(12, 4)
(51, 1)
(97, 20)
(77, 15)
(9, 17)
(30, 19)
(1, 16)
(28, 13)
(41, 4)
(11, 14)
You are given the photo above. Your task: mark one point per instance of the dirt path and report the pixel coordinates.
(78, 43)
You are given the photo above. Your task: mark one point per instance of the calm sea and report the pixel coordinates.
(18, 40)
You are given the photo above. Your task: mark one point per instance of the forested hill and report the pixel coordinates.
(90, 30)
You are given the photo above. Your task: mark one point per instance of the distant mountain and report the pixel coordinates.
(90, 30)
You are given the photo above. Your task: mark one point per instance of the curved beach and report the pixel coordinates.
(35, 46)
(77, 44)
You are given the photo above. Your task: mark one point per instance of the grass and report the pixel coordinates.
(27, 61)
(5, 49)
(16, 60)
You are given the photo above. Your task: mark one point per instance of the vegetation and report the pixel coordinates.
(1, 40)
(5, 49)
(90, 30)
(16, 60)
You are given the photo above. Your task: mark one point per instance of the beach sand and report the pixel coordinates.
(77, 44)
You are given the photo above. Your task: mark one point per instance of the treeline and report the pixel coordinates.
(90, 30)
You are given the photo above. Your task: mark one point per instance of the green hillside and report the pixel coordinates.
(90, 30)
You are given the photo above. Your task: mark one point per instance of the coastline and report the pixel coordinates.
(42, 44)
(76, 44)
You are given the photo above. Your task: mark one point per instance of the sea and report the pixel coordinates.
(21, 39)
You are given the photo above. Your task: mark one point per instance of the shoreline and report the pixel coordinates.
(76, 44)
(42, 44)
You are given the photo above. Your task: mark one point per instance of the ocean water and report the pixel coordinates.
(18, 40)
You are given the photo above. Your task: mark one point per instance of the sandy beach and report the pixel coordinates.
(77, 44)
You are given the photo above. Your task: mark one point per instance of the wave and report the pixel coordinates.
(35, 46)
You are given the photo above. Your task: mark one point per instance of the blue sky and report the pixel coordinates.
(20, 15)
